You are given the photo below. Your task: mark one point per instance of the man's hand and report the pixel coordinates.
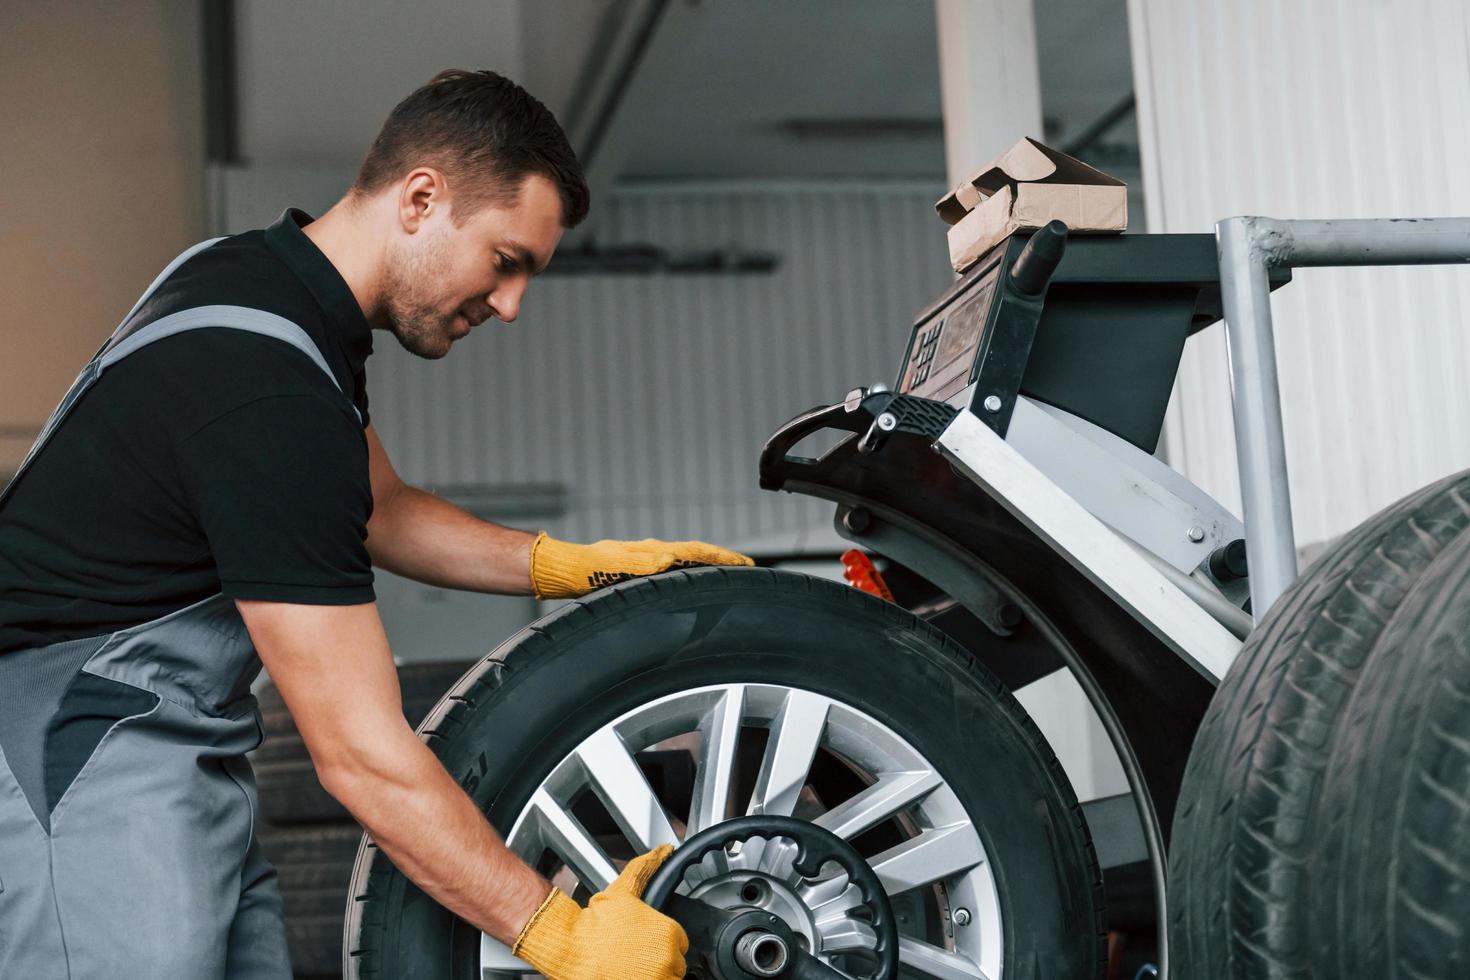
(616, 935)
(560, 570)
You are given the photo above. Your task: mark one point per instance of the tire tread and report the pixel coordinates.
(1251, 797)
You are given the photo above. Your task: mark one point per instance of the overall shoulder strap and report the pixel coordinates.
(128, 338)
(89, 372)
(233, 317)
(121, 329)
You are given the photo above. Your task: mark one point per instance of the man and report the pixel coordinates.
(212, 488)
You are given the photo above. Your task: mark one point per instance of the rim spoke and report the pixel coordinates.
(941, 964)
(720, 738)
(809, 967)
(570, 842)
(892, 792)
(777, 858)
(818, 895)
(495, 959)
(624, 790)
(842, 934)
(832, 902)
(932, 856)
(795, 734)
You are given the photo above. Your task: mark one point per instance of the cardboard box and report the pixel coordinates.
(1024, 188)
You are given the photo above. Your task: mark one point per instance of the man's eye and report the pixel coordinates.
(506, 264)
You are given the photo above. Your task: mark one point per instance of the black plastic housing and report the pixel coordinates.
(1107, 343)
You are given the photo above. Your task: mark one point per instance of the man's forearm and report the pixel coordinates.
(428, 539)
(436, 835)
(334, 670)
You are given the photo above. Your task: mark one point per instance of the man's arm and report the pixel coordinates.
(370, 760)
(419, 536)
(428, 539)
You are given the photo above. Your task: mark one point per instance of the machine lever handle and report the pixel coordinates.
(1033, 268)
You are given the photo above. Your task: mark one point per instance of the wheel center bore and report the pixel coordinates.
(762, 953)
(768, 897)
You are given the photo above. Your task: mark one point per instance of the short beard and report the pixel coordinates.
(413, 316)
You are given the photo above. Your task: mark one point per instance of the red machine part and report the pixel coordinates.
(861, 573)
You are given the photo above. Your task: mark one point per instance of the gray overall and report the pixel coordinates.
(138, 858)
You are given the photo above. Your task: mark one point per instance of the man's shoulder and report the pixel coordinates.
(197, 376)
(208, 370)
(241, 270)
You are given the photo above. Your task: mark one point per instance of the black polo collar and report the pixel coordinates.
(348, 333)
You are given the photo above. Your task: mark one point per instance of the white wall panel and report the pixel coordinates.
(1315, 109)
(649, 396)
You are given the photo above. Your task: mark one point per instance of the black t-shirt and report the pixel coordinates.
(213, 460)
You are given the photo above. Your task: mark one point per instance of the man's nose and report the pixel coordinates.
(505, 301)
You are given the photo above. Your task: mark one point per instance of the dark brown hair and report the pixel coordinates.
(486, 134)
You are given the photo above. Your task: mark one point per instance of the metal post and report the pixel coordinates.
(1248, 247)
(1256, 398)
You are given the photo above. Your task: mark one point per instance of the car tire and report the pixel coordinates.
(1320, 807)
(681, 635)
(314, 867)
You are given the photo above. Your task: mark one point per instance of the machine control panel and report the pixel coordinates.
(940, 361)
(1095, 328)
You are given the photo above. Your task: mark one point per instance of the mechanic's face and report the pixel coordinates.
(443, 280)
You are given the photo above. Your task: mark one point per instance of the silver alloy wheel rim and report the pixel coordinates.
(946, 852)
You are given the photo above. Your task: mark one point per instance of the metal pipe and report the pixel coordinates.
(626, 38)
(1260, 446)
(630, 33)
(1361, 241)
(1226, 613)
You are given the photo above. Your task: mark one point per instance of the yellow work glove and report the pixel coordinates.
(616, 937)
(560, 570)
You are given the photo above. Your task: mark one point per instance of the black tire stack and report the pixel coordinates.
(1323, 829)
(308, 835)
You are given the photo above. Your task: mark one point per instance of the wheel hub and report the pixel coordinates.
(758, 890)
(767, 897)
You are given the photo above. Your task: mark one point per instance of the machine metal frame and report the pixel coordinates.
(980, 503)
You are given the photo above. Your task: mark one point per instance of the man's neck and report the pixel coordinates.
(341, 235)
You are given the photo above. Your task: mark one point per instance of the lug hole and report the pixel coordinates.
(755, 892)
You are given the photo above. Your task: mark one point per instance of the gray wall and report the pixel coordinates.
(1319, 109)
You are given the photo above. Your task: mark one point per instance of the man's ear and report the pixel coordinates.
(422, 192)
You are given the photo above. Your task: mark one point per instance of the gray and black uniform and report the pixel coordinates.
(212, 450)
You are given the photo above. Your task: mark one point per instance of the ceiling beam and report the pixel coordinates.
(642, 50)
